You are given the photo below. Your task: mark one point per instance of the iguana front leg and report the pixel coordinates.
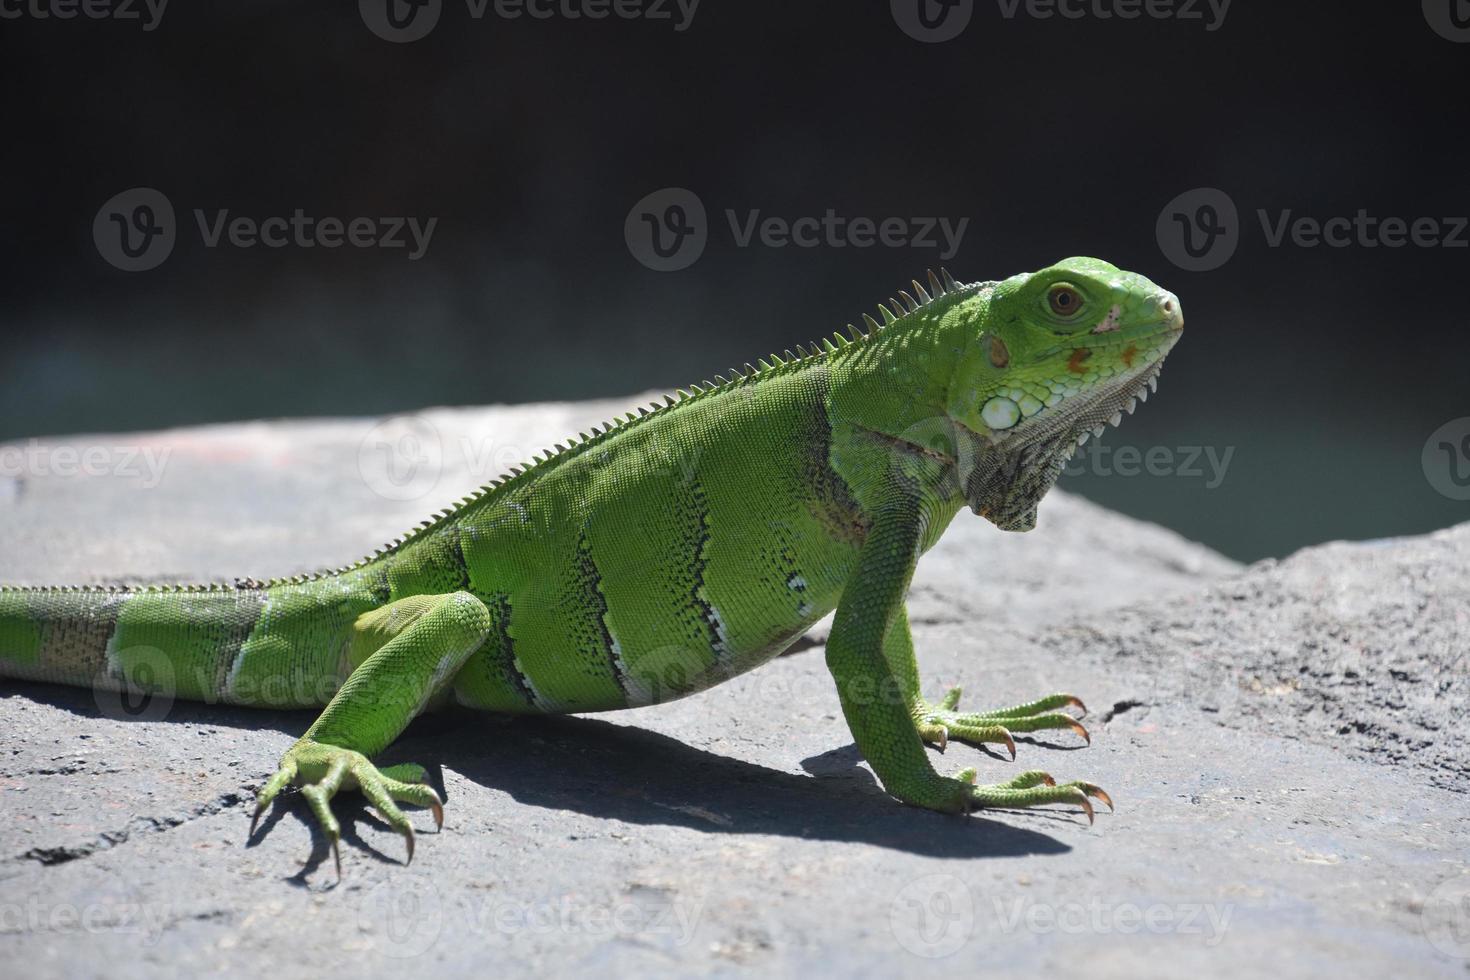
(407, 651)
(938, 723)
(870, 656)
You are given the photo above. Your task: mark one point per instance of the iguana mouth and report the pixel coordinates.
(1008, 476)
(1089, 413)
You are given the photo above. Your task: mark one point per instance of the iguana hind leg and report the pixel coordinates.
(406, 653)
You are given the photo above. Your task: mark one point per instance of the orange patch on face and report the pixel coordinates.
(1129, 354)
(1074, 363)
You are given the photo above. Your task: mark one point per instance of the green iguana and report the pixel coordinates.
(670, 551)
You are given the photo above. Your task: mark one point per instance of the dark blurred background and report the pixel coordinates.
(1322, 370)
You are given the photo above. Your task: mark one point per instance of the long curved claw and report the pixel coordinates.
(1086, 805)
(1010, 744)
(1093, 790)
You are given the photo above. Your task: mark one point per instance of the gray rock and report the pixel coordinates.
(1281, 741)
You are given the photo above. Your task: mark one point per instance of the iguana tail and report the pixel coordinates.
(278, 646)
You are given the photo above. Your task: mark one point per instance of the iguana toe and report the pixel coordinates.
(939, 723)
(1037, 789)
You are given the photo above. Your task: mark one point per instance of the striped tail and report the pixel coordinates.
(281, 646)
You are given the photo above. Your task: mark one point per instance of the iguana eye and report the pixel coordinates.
(1064, 299)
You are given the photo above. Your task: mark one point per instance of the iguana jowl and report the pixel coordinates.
(672, 550)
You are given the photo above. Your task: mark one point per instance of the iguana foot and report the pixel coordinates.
(939, 723)
(958, 793)
(1034, 788)
(321, 770)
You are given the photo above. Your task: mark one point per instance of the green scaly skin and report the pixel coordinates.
(672, 550)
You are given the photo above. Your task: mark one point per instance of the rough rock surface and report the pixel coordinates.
(1284, 743)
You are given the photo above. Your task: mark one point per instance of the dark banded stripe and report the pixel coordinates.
(589, 582)
(698, 562)
(501, 651)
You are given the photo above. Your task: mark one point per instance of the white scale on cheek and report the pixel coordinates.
(1000, 413)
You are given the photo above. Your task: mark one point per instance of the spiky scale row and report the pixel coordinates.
(940, 285)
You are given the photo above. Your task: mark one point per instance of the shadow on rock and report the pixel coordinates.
(630, 774)
(640, 777)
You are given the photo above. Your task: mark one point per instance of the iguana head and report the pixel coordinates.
(1057, 355)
